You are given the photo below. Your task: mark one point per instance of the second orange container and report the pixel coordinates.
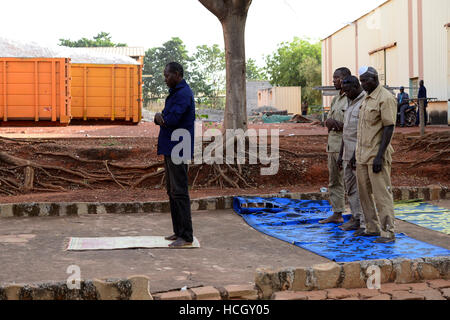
(110, 92)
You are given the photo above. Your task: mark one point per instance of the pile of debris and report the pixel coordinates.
(273, 115)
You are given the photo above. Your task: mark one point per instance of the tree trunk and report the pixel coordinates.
(233, 16)
(236, 100)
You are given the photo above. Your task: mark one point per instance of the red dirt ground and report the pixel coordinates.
(136, 144)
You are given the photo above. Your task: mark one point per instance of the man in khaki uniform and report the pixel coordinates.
(356, 96)
(373, 154)
(335, 125)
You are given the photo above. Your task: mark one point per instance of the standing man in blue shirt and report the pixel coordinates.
(176, 123)
(402, 104)
(422, 95)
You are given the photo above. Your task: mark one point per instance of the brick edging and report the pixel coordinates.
(210, 203)
(350, 275)
(132, 288)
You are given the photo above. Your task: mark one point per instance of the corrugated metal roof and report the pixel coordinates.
(125, 51)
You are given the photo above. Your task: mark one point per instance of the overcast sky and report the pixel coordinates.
(149, 23)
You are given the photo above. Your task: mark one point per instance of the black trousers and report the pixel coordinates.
(180, 203)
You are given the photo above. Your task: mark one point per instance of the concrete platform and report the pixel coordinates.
(32, 249)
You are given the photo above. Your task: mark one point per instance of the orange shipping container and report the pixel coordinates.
(35, 89)
(112, 92)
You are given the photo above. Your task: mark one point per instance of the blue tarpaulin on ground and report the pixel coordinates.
(296, 222)
(425, 215)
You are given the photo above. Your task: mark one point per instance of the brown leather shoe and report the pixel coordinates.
(180, 243)
(350, 226)
(348, 223)
(335, 218)
(171, 238)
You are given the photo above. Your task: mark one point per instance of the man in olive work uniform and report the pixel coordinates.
(356, 96)
(373, 156)
(335, 125)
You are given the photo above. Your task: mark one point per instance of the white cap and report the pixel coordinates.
(369, 70)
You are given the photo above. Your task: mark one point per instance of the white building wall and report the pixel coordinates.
(390, 23)
(436, 14)
(344, 54)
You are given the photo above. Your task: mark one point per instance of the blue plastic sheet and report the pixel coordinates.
(296, 222)
(425, 215)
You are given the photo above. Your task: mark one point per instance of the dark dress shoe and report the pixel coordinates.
(171, 238)
(180, 243)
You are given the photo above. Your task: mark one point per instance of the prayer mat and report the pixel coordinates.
(117, 243)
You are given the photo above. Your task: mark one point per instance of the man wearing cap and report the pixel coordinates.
(373, 156)
(403, 104)
(335, 125)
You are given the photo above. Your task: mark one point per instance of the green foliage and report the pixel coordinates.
(155, 61)
(297, 63)
(103, 39)
(254, 72)
(204, 71)
(312, 72)
(209, 66)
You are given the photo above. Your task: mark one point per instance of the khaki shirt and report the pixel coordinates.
(350, 134)
(378, 110)
(338, 105)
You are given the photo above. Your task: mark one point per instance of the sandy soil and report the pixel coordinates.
(304, 171)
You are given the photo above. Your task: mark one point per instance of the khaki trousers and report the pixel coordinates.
(375, 191)
(336, 183)
(351, 188)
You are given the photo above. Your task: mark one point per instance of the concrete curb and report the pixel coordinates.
(132, 288)
(350, 275)
(210, 203)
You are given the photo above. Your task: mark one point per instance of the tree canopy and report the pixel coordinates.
(297, 63)
(103, 39)
(204, 70)
(253, 71)
(155, 61)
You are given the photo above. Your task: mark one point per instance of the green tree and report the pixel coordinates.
(103, 39)
(155, 61)
(253, 71)
(297, 63)
(312, 71)
(209, 66)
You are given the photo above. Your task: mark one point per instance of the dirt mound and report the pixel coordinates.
(113, 167)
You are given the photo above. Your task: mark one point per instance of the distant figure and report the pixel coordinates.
(402, 104)
(305, 108)
(422, 95)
